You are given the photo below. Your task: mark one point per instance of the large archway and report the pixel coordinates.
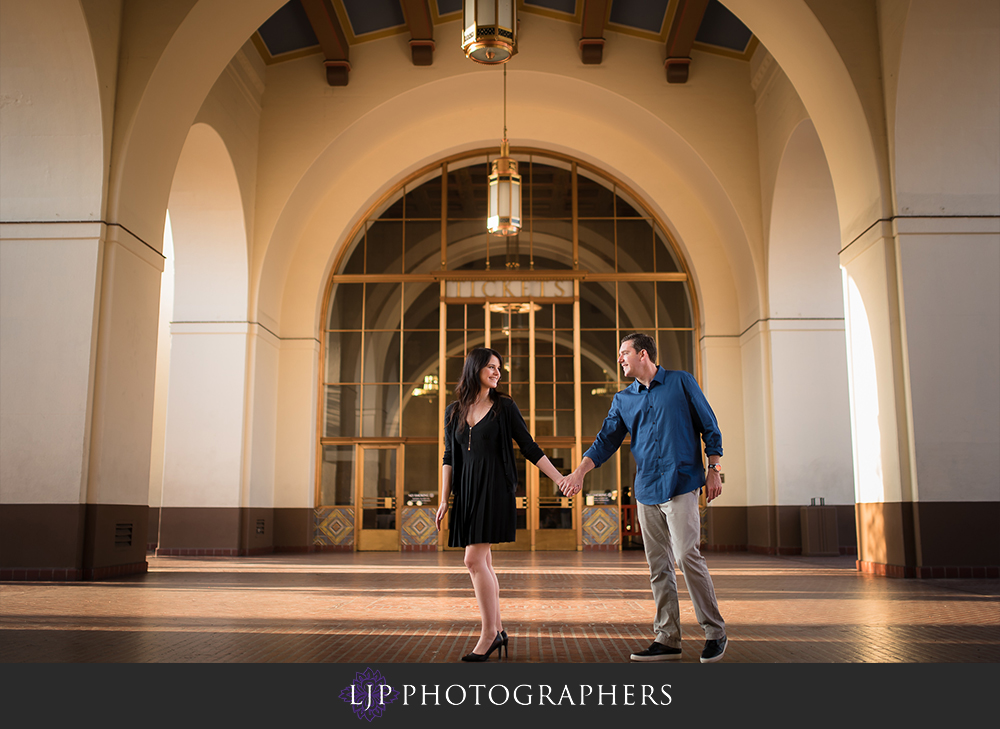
(204, 483)
(421, 283)
(805, 341)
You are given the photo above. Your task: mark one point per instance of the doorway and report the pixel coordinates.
(535, 339)
(378, 494)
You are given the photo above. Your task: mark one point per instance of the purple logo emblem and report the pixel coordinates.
(369, 694)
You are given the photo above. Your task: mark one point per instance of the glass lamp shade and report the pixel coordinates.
(504, 215)
(489, 30)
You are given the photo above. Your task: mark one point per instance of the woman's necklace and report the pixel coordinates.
(477, 404)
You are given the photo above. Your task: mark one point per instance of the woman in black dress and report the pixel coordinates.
(479, 463)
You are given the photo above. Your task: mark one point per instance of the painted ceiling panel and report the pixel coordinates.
(368, 16)
(721, 28)
(640, 14)
(448, 6)
(563, 6)
(287, 30)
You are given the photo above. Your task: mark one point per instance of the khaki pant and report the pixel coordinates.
(673, 531)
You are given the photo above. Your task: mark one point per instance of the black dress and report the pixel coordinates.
(484, 475)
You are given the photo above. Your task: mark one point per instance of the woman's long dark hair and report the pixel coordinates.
(468, 387)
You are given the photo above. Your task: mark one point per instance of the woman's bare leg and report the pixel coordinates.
(484, 581)
(489, 562)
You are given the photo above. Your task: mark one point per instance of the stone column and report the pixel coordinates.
(79, 312)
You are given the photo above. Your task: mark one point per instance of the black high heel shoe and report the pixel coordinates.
(480, 657)
(505, 650)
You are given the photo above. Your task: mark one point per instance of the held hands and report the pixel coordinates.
(572, 484)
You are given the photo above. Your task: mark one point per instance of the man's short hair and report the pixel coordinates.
(640, 341)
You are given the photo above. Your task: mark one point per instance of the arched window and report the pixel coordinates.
(421, 282)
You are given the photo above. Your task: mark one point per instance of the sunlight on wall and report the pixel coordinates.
(864, 399)
(167, 283)
(162, 369)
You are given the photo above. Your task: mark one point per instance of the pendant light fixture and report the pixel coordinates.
(504, 211)
(489, 30)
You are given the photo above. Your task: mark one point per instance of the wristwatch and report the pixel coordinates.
(716, 466)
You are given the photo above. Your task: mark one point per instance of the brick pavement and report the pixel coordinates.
(557, 607)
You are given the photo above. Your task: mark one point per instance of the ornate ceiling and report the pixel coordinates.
(329, 29)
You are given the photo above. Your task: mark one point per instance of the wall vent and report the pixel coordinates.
(123, 535)
(260, 526)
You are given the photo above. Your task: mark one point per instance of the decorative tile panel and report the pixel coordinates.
(600, 525)
(333, 526)
(418, 526)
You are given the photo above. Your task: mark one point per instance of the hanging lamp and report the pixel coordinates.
(504, 208)
(489, 30)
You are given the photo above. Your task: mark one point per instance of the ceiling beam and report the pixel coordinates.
(680, 39)
(595, 15)
(332, 40)
(418, 18)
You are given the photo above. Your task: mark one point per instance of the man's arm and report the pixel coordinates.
(608, 441)
(703, 417)
(708, 427)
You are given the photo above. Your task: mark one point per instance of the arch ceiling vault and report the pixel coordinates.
(694, 159)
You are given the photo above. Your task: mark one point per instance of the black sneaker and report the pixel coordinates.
(714, 650)
(657, 652)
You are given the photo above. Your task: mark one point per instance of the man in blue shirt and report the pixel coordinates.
(667, 416)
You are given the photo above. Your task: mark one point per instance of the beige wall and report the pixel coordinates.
(295, 436)
(124, 372)
(951, 314)
(262, 431)
(940, 170)
(203, 452)
(947, 168)
(48, 276)
(808, 358)
(52, 157)
(721, 376)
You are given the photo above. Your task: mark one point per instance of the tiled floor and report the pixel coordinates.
(557, 606)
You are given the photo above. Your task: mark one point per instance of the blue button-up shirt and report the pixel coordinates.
(667, 422)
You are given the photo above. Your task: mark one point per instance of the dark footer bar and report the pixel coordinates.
(503, 695)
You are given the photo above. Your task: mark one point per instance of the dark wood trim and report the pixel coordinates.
(595, 16)
(332, 40)
(680, 39)
(418, 19)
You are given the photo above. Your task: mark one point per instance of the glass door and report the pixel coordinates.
(555, 522)
(378, 496)
(555, 518)
(535, 340)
